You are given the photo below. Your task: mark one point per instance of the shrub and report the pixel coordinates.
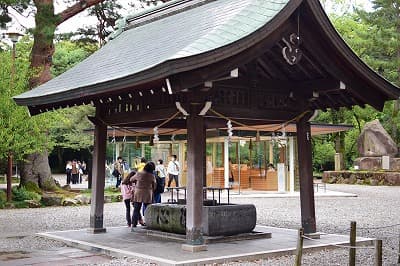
(3, 199)
(20, 204)
(112, 189)
(21, 194)
(86, 191)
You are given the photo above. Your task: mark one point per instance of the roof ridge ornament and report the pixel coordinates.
(291, 52)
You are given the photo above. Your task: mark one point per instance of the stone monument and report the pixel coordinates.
(376, 148)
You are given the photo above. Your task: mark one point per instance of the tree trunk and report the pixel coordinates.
(36, 169)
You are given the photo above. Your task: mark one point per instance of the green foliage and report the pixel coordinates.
(21, 194)
(3, 198)
(112, 189)
(323, 154)
(20, 134)
(66, 128)
(20, 204)
(68, 54)
(375, 37)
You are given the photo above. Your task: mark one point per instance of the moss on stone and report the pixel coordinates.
(33, 187)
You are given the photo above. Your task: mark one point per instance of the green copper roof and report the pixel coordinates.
(173, 31)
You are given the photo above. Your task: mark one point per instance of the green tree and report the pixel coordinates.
(20, 134)
(36, 166)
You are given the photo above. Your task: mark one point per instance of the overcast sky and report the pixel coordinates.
(83, 19)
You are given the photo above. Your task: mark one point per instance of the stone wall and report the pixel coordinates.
(375, 163)
(373, 178)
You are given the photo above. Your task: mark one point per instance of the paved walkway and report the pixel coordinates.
(54, 257)
(120, 241)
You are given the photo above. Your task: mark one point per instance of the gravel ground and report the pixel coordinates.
(374, 207)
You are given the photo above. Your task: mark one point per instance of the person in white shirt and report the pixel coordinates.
(160, 169)
(161, 174)
(173, 170)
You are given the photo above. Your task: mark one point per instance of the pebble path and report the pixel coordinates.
(374, 207)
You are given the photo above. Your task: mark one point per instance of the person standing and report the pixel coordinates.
(141, 165)
(80, 172)
(118, 171)
(231, 177)
(75, 172)
(127, 191)
(68, 169)
(145, 185)
(173, 170)
(161, 174)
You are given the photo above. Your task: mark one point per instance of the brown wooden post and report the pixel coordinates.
(9, 176)
(378, 252)
(299, 249)
(196, 164)
(306, 176)
(98, 176)
(352, 251)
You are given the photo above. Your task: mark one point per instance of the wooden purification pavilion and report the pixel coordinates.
(196, 64)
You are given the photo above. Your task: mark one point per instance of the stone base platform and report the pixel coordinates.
(120, 242)
(207, 239)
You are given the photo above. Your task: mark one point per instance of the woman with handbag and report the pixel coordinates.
(145, 185)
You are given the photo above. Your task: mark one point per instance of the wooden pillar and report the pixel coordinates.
(291, 165)
(226, 162)
(306, 175)
(196, 164)
(98, 178)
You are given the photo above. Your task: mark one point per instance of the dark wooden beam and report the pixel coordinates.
(307, 203)
(126, 118)
(284, 86)
(98, 178)
(256, 114)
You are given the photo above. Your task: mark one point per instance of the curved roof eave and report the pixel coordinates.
(168, 67)
(348, 54)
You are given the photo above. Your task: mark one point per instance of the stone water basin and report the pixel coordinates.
(221, 220)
